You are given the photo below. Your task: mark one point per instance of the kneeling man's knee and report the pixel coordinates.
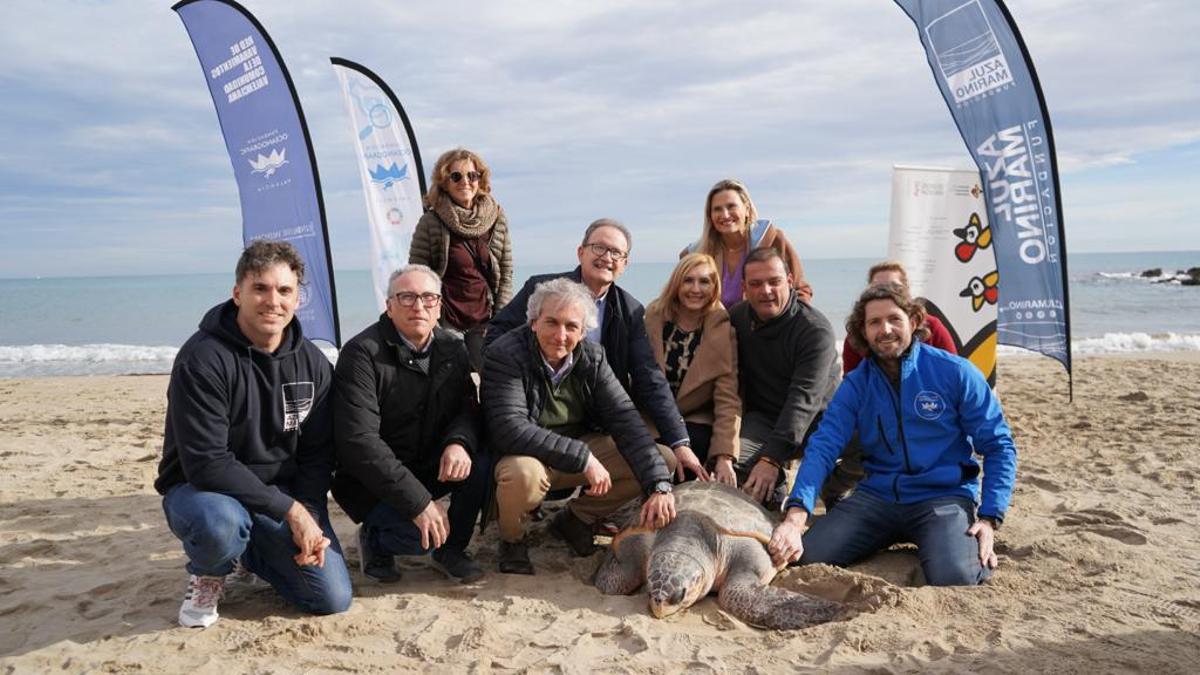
(955, 572)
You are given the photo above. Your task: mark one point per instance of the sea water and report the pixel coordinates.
(135, 324)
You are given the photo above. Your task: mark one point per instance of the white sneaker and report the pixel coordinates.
(199, 608)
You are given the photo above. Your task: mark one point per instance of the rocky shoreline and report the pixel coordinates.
(1188, 277)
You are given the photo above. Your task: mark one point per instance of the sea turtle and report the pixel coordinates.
(717, 541)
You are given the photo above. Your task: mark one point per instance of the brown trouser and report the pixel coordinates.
(523, 481)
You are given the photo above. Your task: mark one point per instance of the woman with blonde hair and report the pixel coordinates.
(463, 236)
(696, 347)
(732, 230)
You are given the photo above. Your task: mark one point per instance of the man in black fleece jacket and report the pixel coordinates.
(248, 446)
(788, 372)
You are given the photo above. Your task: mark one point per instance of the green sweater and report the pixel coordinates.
(565, 411)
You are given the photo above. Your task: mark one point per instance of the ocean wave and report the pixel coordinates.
(1121, 343)
(94, 359)
(97, 353)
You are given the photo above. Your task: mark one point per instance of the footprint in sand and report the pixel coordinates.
(1103, 523)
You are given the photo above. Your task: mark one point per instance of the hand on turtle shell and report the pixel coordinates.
(723, 471)
(787, 544)
(761, 480)
(658, 511)
(686, 459)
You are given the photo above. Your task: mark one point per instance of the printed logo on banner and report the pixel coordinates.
(305, 297)
(267, 165)
(968, 53)
(929, 405)
(974, 237)
(386, 177)
(982, 290)
(297, 403)
(395, 217)
(373, 104)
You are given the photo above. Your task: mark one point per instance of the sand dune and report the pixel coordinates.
(1100, 561)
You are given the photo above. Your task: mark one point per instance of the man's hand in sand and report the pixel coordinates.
(786, 544)
(455, 465)
(983, 531)
(761, 480)
(433, 524)
(658, 511)
(307, 535)
(599, 482)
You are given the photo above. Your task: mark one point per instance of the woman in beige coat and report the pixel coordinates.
(463, 236)
(695, 345)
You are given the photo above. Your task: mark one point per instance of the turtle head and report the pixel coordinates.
(675, 581)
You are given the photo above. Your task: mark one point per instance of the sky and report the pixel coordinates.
(112, 160)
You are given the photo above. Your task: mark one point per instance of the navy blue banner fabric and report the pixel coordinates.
(984, 72)
(269, 145)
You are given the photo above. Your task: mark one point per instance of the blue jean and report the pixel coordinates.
(862, 524)
(215, 529)
(390, 533)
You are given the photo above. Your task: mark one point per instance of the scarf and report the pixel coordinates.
(469, 223)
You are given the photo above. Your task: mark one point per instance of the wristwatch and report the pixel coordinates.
(662, 487)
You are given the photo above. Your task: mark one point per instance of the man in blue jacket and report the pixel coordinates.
(922, 415)
(248, 446)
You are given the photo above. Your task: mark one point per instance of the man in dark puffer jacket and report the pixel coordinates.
(546, 392)
(405, 428)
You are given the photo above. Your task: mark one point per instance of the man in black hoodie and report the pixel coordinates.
(788, 370)
(248, 446)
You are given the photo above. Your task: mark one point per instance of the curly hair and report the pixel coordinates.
(441, 174)
(856, 322)
(263, 253)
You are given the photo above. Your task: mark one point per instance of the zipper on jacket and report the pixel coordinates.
(883, 435)
(895, 394)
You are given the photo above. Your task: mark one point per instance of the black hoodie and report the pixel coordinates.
(253, 425)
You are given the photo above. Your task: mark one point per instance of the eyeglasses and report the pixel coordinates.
(599, 250)
(471, 176)
(428, 300)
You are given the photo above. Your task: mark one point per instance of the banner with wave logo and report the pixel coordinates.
(269, 144)
(985, 74)
(390, 165)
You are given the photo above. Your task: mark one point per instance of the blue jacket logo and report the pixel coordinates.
(929, 405)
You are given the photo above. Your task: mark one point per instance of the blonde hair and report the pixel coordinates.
(710, 239)
(441, 174)
(669, 299)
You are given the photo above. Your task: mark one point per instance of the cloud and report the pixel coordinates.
(583, 109)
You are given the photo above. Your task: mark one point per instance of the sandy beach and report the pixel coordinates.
(1100, 562)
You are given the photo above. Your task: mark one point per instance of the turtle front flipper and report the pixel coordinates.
(624, 568)
(746, 597)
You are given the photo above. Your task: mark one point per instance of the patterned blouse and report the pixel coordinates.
(679, 346)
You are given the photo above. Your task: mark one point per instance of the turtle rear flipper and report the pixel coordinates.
(746, 597)
(624, 568)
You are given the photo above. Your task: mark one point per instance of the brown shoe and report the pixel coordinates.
(574, 531)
